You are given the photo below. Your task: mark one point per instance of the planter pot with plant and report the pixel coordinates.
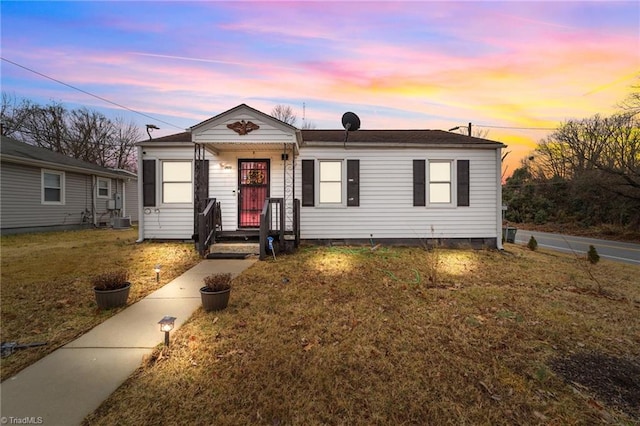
(111, 289)
(215, 293)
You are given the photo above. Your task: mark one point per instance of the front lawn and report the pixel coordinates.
(402, 336)
(46, 294)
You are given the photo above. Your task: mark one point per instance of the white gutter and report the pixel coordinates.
(93, 200)
(499, 198)
(140, 198)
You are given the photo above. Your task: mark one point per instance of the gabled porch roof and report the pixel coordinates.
(245, 129)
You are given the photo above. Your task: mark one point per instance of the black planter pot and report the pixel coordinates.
(107, 299)
(214, 300)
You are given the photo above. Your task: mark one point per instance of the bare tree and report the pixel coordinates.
(81, 133)
(284, 113)
(13, 115)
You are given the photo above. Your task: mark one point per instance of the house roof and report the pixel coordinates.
(19, 152)
(392, 138)
(379, 138)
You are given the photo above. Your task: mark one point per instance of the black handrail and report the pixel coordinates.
(207, 225)
(267, 226)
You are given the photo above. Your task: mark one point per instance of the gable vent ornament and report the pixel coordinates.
(243, 127)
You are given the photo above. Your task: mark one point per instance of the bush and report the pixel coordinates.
(218, 282)
(111, 280)
(593, 255)
(532, 244)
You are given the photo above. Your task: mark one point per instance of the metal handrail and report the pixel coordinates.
(207, 225)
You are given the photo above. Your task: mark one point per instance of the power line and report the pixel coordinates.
(516, 128)
(90, 94)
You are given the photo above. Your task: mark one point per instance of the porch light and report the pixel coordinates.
(166, 325)
(157, 271)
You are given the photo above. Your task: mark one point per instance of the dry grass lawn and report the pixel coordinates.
(46, 294)
(401, 336)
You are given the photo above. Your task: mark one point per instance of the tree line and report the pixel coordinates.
(587, 172)
(80, 133)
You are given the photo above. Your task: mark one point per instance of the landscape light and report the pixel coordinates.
(157, 271)
(166, 325)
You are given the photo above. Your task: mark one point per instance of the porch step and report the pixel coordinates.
(234, 248)
(241, 235)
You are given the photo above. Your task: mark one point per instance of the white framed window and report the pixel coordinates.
(104, 188)
(440, 179)
(52, 187)
(177, 182)
(330, 182)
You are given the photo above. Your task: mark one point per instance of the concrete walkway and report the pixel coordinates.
(70, 383)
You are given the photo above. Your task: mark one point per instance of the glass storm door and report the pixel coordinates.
(253, 186)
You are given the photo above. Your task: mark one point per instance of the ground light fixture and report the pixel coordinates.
(157, 271)
(166, 325)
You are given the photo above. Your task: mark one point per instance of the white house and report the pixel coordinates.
(394, 186)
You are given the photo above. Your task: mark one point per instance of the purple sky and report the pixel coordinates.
(415, 65)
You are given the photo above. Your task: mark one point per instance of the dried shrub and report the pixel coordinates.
(593, 255)
(111, 280)
(218, 282)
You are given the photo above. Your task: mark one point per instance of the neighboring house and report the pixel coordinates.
(395, 186)
(43, 190)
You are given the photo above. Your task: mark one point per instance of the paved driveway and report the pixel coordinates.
(613, 250)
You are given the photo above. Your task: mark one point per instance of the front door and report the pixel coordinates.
(253, 189)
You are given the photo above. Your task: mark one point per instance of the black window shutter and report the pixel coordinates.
(308, 183)
(201, 174)
(353, 182)
(149, 183)
(463, 182)
(419, 186)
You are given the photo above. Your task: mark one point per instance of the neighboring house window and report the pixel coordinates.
(330, 182)
(104, 188)
(439, 182)
(177, 182)
(52, 187)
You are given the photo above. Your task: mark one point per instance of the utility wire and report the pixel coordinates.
(90, 94)
(516, 128)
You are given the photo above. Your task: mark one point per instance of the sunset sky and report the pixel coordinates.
(398, 65)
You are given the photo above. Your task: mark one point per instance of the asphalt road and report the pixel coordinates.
(613, 250)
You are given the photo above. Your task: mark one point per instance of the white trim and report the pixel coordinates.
(343, 186)
(62, 186)
(188, 191)
(452, 184)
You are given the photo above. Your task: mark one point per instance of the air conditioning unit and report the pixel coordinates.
(121, 222)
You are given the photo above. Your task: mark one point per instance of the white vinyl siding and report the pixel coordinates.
(52, 187)
(386, 197)
(330, 182)
(177, 182)
(104, 188)
(440, 182)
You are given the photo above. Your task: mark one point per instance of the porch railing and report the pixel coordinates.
(272, 224)
(208, 222)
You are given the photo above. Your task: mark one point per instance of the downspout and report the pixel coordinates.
(93, 200)
(499, 198)
(140, 199)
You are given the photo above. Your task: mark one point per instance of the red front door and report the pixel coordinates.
(253, 188)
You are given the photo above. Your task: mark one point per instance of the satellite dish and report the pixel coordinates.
(350, 121)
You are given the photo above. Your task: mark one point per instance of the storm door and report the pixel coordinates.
(253, 188)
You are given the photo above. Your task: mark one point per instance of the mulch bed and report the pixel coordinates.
(612, 380)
